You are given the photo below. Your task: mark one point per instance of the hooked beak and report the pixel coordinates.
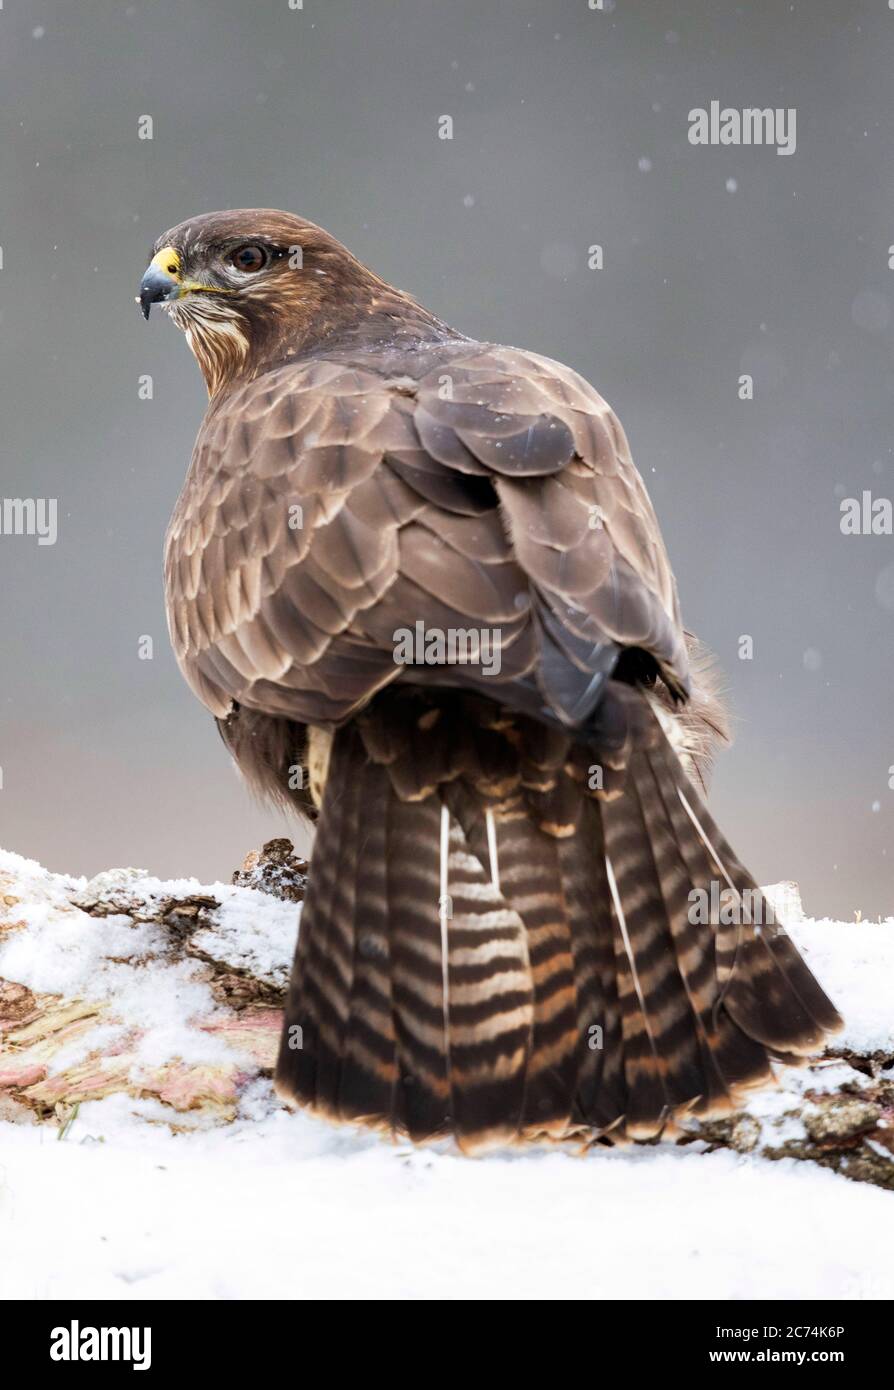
(162, 283)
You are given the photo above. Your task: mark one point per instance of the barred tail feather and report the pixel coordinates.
(488, 997)
(489, 951)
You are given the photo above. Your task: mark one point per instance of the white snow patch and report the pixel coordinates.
(287, 1207)
(854, 963)
(128, 965)
(262, 947)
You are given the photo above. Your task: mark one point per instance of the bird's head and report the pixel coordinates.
(254, 286)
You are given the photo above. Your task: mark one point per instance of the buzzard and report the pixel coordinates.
(419, 584)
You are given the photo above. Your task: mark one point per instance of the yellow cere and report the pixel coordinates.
(168, 261)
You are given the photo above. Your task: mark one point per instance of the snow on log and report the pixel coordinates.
(170, 994)
(127, 984)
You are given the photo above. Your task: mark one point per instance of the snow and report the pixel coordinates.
(137, 1201)
(266, 954)
(854, 962)
(161, 1001)
(288, 1208)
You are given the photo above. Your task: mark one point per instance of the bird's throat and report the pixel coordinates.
(217, 339)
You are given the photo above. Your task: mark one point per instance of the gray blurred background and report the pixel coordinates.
(570, 129)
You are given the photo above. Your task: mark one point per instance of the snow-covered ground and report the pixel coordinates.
(149, 1195)
(286, 1208)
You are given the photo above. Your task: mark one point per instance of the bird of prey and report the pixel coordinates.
(419, 584)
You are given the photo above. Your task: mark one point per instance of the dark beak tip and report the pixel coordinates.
(155, 288)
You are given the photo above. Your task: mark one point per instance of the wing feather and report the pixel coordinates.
(331, 502)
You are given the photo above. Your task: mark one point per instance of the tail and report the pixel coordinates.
(499, 944)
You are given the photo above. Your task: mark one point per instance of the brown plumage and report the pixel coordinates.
(498, 940)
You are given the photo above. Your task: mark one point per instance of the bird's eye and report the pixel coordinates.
(249, 258)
